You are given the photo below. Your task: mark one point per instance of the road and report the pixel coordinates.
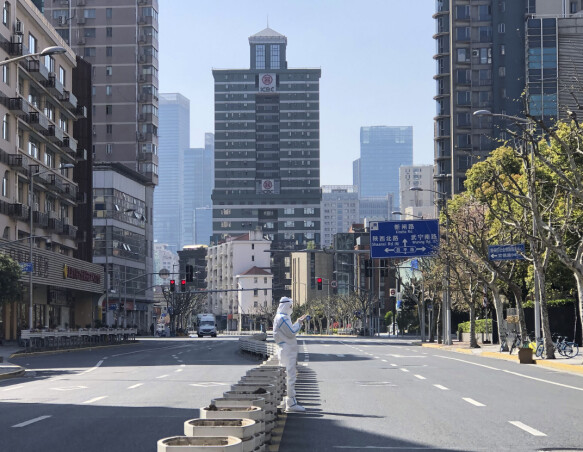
(379, 394)
(360, 393)
(122, 398)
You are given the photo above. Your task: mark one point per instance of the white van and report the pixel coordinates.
(207, 325)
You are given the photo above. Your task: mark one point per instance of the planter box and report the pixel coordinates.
(248, 401)
(233, 412)
(200, 444)
(247, 430)
(525, 355)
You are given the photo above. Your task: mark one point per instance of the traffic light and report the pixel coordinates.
(183, 285)
(319, 281)
(172, 285)
(189, 273)
(367, 268)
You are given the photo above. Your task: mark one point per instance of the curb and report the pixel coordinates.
(552, 364)
(14, 374)
(21, 354)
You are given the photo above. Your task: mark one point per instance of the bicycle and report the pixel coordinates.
(540, 347)
(515, 343)
(568, 349)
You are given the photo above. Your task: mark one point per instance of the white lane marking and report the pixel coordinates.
(150, 350)
(472, 401)
(137, 385)
(32, 421)
(441, 387)
(404, 370)
(178, 370)
(514, 373)
(209, 384)
(95, 399)
(183, 365)
(384, 360)
(377, 357)
(526, 428)
(12, 388)
(70, 388)
(421, 377)
(162, 376)
(93, 368)
(394, 365)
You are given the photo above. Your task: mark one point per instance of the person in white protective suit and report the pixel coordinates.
(284, 334)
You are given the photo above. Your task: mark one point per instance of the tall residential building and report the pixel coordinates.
(120, 40)
(267, 147)
(339, 211)
(383, 150)
(417, 203)
(198, 186)
(44, 176)
(171, 191)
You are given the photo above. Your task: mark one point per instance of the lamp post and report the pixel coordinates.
(53, 50)
(31, 233)
(536, 291)
(446, 315)
(398, 212)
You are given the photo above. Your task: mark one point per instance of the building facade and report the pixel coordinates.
(417, 203)
(339, 211)
(267, 147)
(39, 157)
(120, 40)
(225, 261)
(383, 150)
(170, 193)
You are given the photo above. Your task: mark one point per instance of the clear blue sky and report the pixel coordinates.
(376, 58)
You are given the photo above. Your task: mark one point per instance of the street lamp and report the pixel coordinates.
(53, 50)
(398, 212)
(536, 291)
(31, 233)
(447, 305)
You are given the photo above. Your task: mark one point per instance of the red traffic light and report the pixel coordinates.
(172, 285)
(319, 281)
(183, 285)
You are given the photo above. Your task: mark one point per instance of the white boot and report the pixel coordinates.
(292, 406)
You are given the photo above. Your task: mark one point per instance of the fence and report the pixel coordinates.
(47, 340)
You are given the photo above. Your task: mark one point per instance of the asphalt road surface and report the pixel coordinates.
(362, 394)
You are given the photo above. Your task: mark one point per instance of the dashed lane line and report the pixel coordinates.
(527, 428)
(404, 370)
(443, 388)
(95, 399)
(162, 376)
(32, 421)
(472, 401)
(137, 385)
(421, 377)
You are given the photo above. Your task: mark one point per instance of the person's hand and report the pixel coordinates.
(302, 318)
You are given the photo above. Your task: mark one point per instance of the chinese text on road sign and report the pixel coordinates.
(414, 238)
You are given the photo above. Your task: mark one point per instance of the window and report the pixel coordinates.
(108, 51)
(50, 63)
(485, 55)
(108, 13)
(109, 32)
(108, 109)
(501, 28)
(6, 14)
(109, 148)
(502, 71)
(463, 98)
(288, 211)
(5, 184)
(462, 12)
(62, 75)
(32, 41)
(109, 129)
(108, 70)
(255, 292)
(484, 12)
(274, 57)
(49, 159)
(89, 13)
(6, 127)
(463, 55)
(260, 57)
(485, 34)
(33, 148)
(463, 33)
(6, 74)
(308, 210)
(150, 12)
(108, 90)
(89, 32)
(89, 52)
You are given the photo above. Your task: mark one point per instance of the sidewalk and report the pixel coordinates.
(8, 370)
(493, 351)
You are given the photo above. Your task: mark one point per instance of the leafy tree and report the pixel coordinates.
(10, 273)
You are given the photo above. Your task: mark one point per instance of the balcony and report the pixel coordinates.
(145, 39)
(38, 71)
(57, 182)
(69, 145)
(54, 134)
(54, 86)
(38, 121)
(18, 161)
(81, 111)
(147, 157)
(20, 211)
(69, 99)
(70, 231)
(18, 105)
(56, 225)
(81, 154)
(71, 191)
(144, 136)
(40, 219)
(145, 20)
(15, 48)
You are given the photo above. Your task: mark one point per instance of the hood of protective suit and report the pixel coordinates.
(285, 306)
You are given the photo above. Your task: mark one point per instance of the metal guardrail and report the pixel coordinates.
(47, 340)
(258, 345)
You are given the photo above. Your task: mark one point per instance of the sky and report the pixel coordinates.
(376, 58)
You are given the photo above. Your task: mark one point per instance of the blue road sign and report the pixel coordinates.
(415, 264)
(26, 266)
(506, 252)
(413, 238)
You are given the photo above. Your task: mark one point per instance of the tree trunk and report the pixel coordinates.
(544, 315)
(498, 309)
(520, 309)
(473, 340)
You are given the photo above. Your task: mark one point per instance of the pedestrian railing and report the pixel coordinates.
(34, 340)
(240, 333)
